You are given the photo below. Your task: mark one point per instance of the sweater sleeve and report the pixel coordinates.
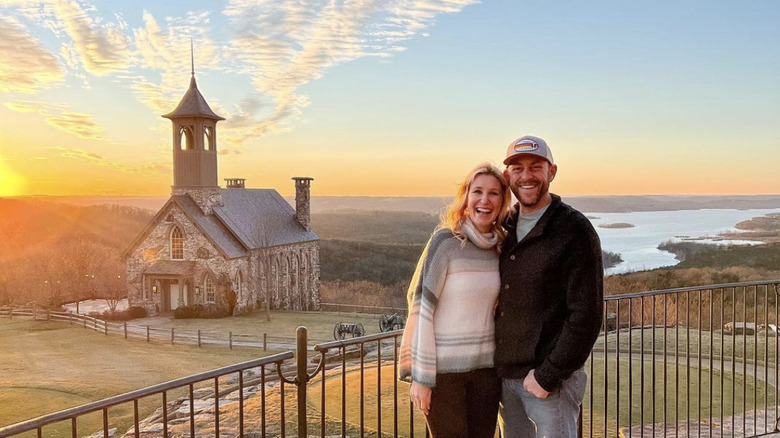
(584, 275)
(418, 344)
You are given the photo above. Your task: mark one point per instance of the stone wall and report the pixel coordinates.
(209, 261)
(293, 270)
(206, 198)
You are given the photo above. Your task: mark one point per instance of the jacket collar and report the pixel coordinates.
(510, 243)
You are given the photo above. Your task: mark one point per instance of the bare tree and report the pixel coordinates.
(111, 280)
(83, 261)
(267, 232)
(49, 268)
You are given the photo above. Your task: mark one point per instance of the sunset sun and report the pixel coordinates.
(11, 183)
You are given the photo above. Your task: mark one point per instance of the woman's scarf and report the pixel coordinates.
(481, 240)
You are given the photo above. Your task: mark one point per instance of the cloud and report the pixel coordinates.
(275, 47)
(60, 116)
(99, 160)
(79, 124)
(282, 46)
(101, 46)
(165, 48)
(25, 67)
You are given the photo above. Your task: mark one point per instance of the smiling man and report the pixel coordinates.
(550, 304)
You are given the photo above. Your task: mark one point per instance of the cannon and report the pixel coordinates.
(342, 329)
(391, 322)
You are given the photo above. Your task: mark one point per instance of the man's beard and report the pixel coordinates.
(529, 202)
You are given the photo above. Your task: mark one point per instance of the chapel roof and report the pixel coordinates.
(250, 219)
(211, 226)
(172, 267)
(193, 104)
(261, 218)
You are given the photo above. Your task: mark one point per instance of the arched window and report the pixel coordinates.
(208, 285)
(186, 138)
(207, 141)
(239, 286)
(177, 244)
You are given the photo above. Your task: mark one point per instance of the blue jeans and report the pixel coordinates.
(522, 415)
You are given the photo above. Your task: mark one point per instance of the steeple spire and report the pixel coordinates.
(194, 142)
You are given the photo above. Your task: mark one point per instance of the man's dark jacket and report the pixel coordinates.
(551, 301)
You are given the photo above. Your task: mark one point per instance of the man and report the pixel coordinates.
(550, 304)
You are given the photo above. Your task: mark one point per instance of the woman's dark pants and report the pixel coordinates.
(465, 404)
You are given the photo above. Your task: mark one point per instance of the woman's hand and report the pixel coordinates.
(421, 397)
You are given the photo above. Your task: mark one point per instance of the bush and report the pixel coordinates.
(136, 312)
(187, 312)
(121, 315)
(200, 311)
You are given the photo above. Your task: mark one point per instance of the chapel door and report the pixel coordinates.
(175, 294)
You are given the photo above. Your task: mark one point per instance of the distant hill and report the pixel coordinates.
(589, 204)
(435, 204)
(623, 204)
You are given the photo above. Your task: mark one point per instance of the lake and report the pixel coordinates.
(638, 245)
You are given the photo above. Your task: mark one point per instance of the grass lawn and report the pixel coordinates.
(676, 404)
(680, 397)
(687, 341)
(281, 326)
(47, 367)
(333, 401)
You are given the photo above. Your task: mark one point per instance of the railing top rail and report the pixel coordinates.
(35, 423)
(690, 289)
(325, 346)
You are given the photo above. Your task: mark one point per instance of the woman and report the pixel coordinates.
(447, 346)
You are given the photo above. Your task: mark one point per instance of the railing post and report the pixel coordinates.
(265, 341)
(147, 333)
(301, 379)
(198, 338)
(105, 327)
(230, 342)
(125, 324)
(172, 335)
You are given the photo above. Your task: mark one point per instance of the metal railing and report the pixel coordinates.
(171, 412)
(699, 361)
(696, 361)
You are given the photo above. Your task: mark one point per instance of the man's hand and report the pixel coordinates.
(531, 385)
(421, 397)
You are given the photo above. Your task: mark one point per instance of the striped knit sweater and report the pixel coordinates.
(452, 298)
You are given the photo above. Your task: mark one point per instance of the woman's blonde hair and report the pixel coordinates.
(456, 212)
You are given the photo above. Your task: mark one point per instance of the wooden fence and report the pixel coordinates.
(154, 334)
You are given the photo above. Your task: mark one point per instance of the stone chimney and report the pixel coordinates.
(235, 183)
(303, 201)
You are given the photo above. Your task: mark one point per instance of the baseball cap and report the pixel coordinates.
(528, 144)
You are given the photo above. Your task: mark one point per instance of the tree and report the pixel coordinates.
(267, 232)
(111, 280)
(83, 262)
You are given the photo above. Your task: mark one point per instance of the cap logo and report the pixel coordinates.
(526, 145)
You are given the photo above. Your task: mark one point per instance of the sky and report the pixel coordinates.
(393, 97)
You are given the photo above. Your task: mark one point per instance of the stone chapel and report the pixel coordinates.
(234, 248)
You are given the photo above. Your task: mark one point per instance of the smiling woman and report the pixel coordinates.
(11, 183)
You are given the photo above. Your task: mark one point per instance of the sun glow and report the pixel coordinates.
(11, 183)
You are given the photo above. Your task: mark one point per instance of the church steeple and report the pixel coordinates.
(194, 140)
